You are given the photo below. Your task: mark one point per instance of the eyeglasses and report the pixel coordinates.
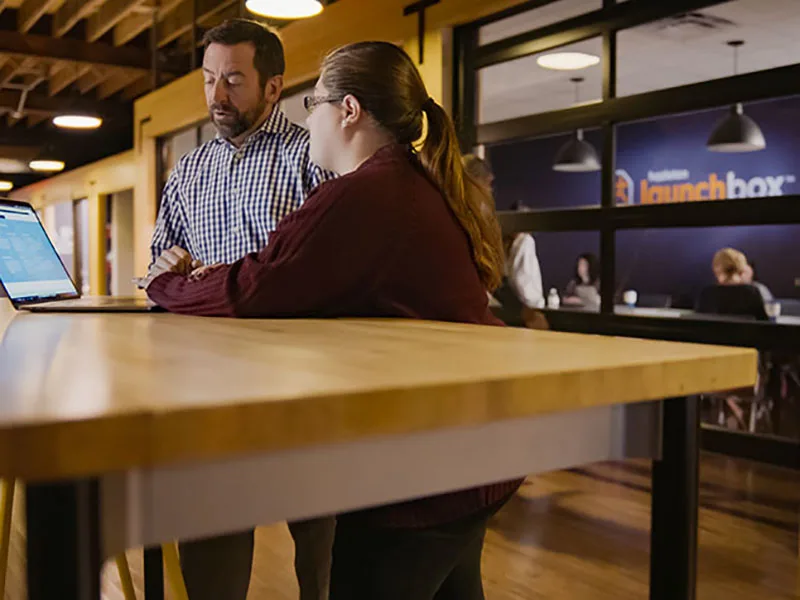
(312, 102)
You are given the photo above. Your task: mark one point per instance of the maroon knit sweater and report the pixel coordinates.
(378, 242)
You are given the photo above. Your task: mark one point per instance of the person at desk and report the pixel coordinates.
(584, 289)
(402, 233)
(749, 277)
(522, 283)
(221, 201)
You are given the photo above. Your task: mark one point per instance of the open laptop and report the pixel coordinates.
(32, 274)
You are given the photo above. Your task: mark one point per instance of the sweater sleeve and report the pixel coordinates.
(321, 261)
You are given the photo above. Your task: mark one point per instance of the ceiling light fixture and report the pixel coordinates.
(46, 166)
(77, 121)
(285, 9)
(6, 186)
(736, 132)
(577, 155)
(567, 61)
(13, 165)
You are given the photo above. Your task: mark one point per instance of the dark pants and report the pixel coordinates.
(218, 568)
(436, 563)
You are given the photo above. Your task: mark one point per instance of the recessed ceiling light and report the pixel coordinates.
(6, 186)
(12, 165)
(77, 122)
(284, 9)
(567, 61)
(47, 166)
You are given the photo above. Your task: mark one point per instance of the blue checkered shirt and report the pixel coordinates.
(221, 202)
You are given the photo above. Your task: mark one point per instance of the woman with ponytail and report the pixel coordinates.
(404, 232)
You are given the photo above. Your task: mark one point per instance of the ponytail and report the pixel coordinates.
(389, 87)
(471, 204)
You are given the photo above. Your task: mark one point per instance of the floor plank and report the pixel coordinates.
(584, 534)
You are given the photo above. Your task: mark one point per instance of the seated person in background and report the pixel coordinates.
(521, 292)
(584, 289)
(729, 267)
(402, 233)
(522, 275)
(749, 277)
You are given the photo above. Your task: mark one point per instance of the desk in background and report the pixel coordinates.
(135, 429)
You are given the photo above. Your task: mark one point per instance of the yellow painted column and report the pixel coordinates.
(144, 202)
(98, 281)
(437, 66)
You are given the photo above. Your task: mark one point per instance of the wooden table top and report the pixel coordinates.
(93, 393)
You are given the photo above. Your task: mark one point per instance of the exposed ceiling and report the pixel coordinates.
(654, 56)
(87, 55)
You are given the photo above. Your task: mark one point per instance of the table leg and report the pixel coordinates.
(673, 541)
(63, 539)
(153, 574)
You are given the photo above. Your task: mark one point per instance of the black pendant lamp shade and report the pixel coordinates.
(736, 132)
(577, 156)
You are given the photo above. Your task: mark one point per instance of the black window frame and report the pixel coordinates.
(609, 218)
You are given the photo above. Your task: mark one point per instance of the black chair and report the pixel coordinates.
(744, 302)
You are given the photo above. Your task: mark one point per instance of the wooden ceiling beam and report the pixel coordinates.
(72, 11)
(44, 104)
(30, 11)
(137, 88)
(180, 21)
(109, 15)
(66, 76)
(117, 82)
(94, 77)
(134, 25)
(8, 72)
(34, 120)
(79, 51)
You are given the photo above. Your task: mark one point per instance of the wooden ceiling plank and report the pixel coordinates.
(72, 11)
(180, 21)
(116, 82)
(43, 104)
(137, 88)
(67, 76)
(30, 11)
(79, 51)
(108, 16)
(34, 120)
(94, 77)
(8, 72)
(135, 24)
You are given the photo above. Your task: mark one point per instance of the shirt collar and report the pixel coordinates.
(277, 122)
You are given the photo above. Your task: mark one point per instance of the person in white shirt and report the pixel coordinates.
(523, 276)
(522, 268)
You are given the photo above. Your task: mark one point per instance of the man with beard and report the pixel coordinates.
(221, 202)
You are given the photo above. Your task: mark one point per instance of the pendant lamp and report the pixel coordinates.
(577, 155)
(736, 132)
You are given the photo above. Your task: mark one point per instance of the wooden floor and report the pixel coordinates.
(584, 535)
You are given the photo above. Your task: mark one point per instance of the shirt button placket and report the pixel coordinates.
(236, 193)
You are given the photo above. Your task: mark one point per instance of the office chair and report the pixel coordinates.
(744, 302)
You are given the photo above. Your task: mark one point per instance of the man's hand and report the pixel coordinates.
(174, 260)
(200, 272)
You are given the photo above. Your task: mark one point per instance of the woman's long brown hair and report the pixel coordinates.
(389, 87)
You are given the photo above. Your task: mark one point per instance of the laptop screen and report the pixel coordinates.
(30, 268)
